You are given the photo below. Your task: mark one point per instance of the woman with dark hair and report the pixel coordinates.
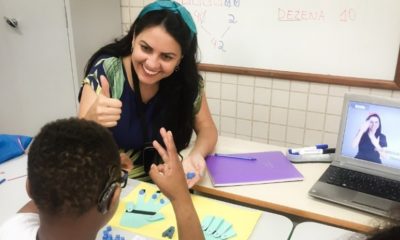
(147, 80)
(370, 140)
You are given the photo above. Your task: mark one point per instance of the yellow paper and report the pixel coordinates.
(242, 220)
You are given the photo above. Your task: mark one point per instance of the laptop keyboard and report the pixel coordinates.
(362, 182)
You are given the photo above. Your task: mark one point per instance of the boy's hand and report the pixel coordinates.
(169, 176)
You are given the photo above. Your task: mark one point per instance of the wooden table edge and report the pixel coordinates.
(284, 209)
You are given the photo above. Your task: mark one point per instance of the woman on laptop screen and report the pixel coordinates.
(370, 140)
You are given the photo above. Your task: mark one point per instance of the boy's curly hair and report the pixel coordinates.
(69, 164)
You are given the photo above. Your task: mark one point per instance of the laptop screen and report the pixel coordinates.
(371, 132)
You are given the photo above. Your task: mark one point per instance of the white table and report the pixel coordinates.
(287, 197)
(13, 195)
(313, 230)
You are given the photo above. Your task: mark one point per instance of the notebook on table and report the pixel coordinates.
(265, 167)
(365, 172)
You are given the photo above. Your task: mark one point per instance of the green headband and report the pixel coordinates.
(174, 7)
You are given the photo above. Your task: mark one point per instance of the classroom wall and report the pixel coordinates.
(276, 111)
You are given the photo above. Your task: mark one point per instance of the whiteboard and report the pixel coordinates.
(351, 38)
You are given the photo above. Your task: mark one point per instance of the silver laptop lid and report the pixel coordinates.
(369, 136)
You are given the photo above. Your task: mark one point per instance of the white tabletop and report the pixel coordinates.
(13, 195)
(287, 197)
(313, 230)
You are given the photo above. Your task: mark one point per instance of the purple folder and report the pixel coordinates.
(268, 167)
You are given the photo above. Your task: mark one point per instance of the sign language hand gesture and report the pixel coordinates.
(375, 141)
(365, 126)
(169, 176)
(105, 110)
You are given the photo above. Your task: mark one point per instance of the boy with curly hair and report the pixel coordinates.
(75, 180)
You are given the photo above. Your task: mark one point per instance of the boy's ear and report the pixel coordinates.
(115, 198)
(28, 188)
(109, 198)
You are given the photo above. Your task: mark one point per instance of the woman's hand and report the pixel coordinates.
(375, 141)
(196, 164)
(364, 127)
(126, 162)
(104, 110)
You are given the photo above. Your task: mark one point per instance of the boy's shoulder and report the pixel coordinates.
(20, 226)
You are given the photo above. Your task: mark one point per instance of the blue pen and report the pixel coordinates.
(2, 180)
(235, 157)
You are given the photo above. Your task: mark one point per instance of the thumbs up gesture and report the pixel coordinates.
(104, 110)
(105, 87)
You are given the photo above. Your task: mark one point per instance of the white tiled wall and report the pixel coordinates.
(275, 111)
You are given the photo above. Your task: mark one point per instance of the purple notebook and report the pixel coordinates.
(268, 167)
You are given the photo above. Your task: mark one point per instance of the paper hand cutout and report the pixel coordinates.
(143, 213)
(216, 228)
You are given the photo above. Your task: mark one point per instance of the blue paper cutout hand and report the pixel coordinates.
(216, 228)
(143, 213)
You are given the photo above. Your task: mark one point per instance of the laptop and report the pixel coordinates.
(365, 171)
